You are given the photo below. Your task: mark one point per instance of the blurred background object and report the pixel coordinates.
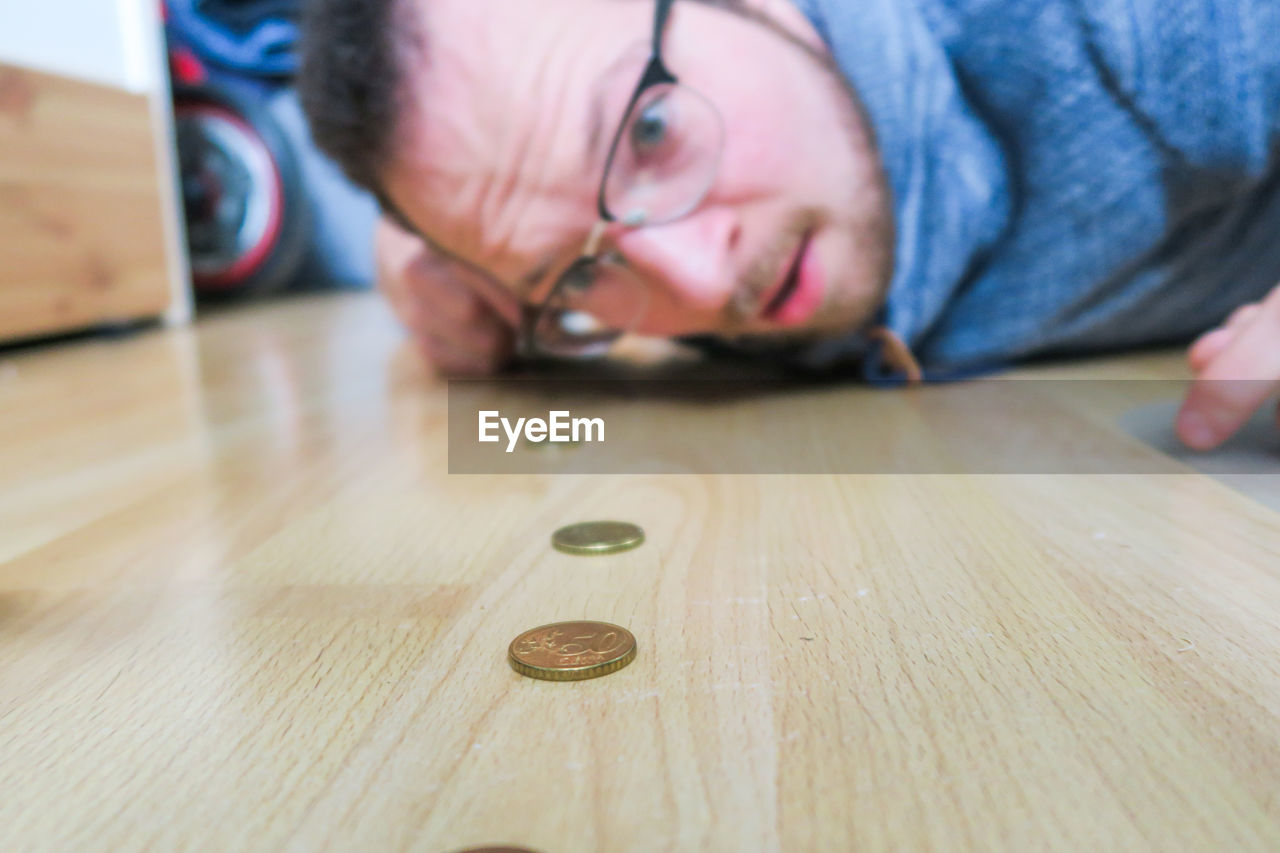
(89, 230)
(264, 210)
(119, 116)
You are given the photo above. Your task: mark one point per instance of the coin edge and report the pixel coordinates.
(577, 673)
(588, 550)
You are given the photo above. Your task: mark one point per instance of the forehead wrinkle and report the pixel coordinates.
(540, 169)
(472, 158)
(445, 184)
(514, 180)
(591, 153)
(497, 197)
(597, 120)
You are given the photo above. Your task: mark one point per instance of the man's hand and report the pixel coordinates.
(1246, 347)
(463, 321)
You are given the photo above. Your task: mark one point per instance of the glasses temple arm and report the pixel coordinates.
(660, 12)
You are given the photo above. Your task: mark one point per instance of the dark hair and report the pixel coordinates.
(352, 81)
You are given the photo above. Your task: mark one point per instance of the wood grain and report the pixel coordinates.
(242, 606)
(81, 232)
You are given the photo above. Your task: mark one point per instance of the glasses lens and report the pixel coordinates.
(596, 302)
(666, 157)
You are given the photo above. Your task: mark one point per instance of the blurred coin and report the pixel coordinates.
(497, 850)
(572, 651)
(597, 537)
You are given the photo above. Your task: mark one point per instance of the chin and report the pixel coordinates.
(838, 323)
(829, 323)
(765, 339)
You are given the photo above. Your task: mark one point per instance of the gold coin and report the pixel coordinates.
(597, 537)
(572, 651)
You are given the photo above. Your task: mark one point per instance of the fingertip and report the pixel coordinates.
(1242, 315)
(1196, 431)
(428, 351)
(451, 363)
(1207, 347)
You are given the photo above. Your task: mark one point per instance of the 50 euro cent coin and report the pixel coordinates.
(571, 651)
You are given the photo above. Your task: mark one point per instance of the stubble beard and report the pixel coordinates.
(844, 308)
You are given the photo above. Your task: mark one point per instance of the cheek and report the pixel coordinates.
(667, 318)
(759, 154)
(768, 136)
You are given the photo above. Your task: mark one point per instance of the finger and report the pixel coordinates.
(431, 271)
(393, 247)
(484, 337)
(451, 299)
(451, 359)
(407, 262)
(404, 306)
(446, 361)
(482, 331)
(1235, 382)
(1207, 347)
(446, 313)
(1242, 315)
(480, 348)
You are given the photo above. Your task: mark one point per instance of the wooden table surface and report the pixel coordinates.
(244, 606)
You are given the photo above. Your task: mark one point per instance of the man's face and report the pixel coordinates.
(513, 108)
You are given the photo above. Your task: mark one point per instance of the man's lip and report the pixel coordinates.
(786, 286)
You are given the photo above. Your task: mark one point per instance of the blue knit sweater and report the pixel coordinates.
(1068, 175)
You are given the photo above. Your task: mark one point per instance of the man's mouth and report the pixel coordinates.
(797, 296)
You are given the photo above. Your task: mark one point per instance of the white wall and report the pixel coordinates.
(116, 42)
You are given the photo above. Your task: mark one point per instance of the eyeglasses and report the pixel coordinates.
(661, 163)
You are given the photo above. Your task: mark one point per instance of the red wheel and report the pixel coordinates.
(244, 219)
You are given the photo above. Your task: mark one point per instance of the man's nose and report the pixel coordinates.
(692, 261)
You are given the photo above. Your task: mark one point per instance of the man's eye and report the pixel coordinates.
(650, 128)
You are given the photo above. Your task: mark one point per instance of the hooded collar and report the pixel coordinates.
(944, 168)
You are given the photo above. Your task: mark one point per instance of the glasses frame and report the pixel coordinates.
(655, 73)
